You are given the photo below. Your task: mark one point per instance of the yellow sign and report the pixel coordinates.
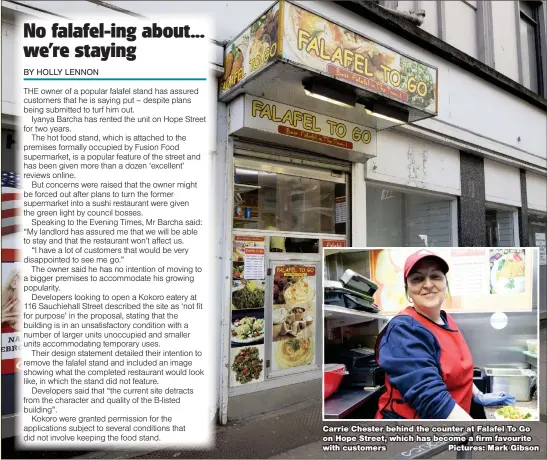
(274, 117)
(251, 50)
(312, 41)
(290, 33)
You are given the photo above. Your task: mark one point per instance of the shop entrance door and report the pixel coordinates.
(293, 313)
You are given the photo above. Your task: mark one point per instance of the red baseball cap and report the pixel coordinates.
(414, 258)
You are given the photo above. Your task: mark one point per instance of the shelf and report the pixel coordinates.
(329, 252)
(530, 355)
(242, 219)
(242, 188)
(345, 401)
(340, 316)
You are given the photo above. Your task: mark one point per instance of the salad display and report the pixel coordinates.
(247, 329)
(514, 413)
(250, 295)
(247, 365)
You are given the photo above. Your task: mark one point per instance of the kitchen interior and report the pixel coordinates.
(505, 359)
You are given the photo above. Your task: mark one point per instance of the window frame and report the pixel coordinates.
(491, 206)
(538, 20)
(321, 173)
(451, 199)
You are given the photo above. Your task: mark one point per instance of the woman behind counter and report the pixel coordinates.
(428, 365)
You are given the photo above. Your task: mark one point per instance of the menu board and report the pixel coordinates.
(479, 279)
(466, 271)
(247, 323)
(293, 316)
(341, 210)
(253, 264)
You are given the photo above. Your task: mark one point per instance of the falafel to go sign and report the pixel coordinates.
(292, 34)
(295, 271)
(252, 49)
(273, 117)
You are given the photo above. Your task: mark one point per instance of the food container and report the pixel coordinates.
(248, 213)
(299, 311)
(532, 346)
(238, 212)
(333, 375)
(516, 382)
(279, 316)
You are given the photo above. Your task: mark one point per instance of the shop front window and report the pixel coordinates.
(500, 228)
(285, 203)
(397, 219)
(283, 216)
(537, 234)
(537, 228)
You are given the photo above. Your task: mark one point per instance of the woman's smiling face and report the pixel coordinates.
(426, 284)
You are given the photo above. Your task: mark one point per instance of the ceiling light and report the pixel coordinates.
(387, 112)
(330, 91)
(327, 99)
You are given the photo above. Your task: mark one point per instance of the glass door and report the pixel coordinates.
(293, 311)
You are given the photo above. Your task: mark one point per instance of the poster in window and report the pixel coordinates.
(340, 215)
(248, 272)
(507, 271)
(246, 365)
(293, 315)
(540, 243)
(294, 299)
(247, 328)
(292, 353)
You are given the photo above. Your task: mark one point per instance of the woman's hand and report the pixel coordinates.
(494, 399)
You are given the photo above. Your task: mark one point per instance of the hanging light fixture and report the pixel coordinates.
(387, 112)
(330, 91)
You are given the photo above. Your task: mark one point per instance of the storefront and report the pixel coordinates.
(283, 216)
(412, 188)
(306, 114)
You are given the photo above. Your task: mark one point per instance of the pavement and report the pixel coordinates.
(297, 433)
(259, 437)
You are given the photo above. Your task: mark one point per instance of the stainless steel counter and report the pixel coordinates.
(345, 401)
